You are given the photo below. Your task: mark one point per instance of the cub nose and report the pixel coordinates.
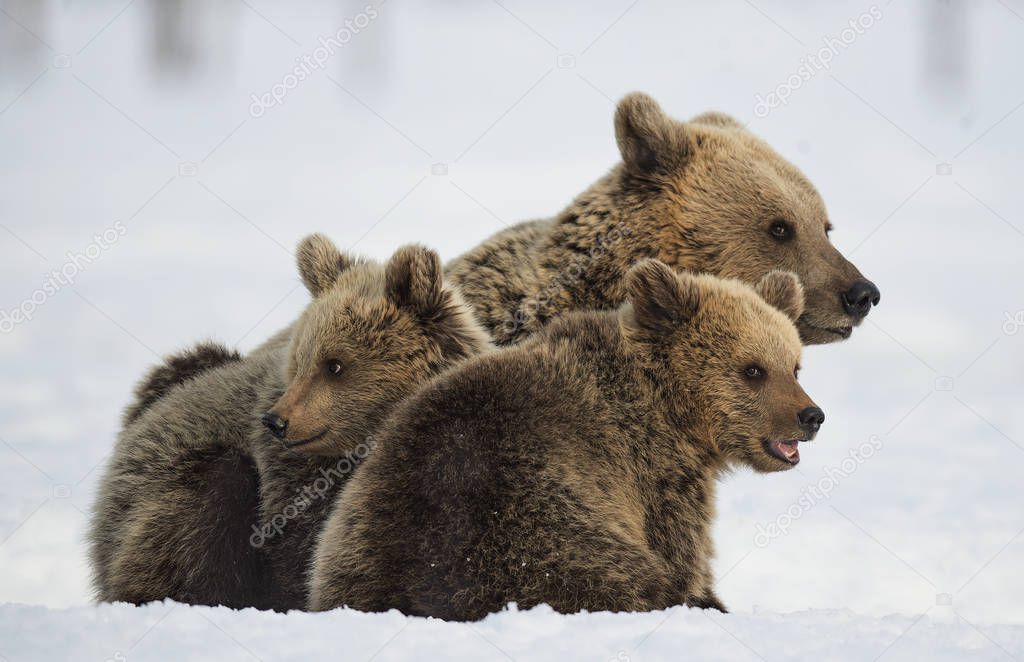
(277, 425)
(811, 419)
(860, 297)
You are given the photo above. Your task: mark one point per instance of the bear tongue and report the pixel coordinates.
(787, 449)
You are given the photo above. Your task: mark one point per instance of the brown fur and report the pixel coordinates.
(576, 468)
(697, 195)
(202, 504)
(700, 196)
(175, 370)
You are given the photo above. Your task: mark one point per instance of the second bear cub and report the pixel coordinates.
(578, 468)
(204, 503)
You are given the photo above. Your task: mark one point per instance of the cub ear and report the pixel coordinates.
(661, 298)
(415, 280)
(320, 263)
(715, 118)
(782, 289)
(649, 140)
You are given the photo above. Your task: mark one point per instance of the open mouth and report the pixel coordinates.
(784, 449)
(303, 442)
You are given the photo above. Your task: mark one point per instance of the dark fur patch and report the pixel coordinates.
(175, 370)
(230, 572)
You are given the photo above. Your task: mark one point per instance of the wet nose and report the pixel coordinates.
(860, 297)
(811, 419)
(277, 425)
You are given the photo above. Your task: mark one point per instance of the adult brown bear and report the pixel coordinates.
(703, 196)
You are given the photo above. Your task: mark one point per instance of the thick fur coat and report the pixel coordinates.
(204, 503)
(578, 467)
(705, 196)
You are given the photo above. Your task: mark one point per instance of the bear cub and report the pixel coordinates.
(205, 499)
(578, 467)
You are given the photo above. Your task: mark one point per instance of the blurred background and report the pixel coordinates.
(164, 157)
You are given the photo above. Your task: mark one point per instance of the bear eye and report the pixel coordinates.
(753, 372)
(828, 229)
(333, 367)
(781, 231)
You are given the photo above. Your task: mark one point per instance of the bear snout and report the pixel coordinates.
(811, 419)
(858, 300)
(277, 425)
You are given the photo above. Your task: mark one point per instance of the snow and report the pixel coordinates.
(152, 129)
(170, 630)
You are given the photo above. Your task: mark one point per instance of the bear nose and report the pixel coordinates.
(811, 419)
(277, 425)
(860, 297)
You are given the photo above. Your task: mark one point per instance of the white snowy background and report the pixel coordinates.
(443, 122)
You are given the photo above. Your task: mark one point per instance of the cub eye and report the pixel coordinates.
(334, 367)
(828, 230)
(780, 231)
(754, 372)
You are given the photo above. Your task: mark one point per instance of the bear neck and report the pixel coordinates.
(593, 242)
(676, 399)
(455, 330)
(522, 277)
(678, 464)
(638, 385)
(599, 236)
(657, 450)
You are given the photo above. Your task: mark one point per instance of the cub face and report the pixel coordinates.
(755, 212)
(371, 334)
(732, 355)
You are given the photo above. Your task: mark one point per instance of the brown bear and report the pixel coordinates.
(576, 468)
(702, 196)
(206, 500)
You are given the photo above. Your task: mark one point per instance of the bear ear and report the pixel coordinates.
(721, 120)
(661, 298)
(649, 140)
(320, 263)
(415, 280)
(782, 289)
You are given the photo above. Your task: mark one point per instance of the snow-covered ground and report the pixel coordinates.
(443, 122)
(169, 630)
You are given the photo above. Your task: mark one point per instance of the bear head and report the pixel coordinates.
(725, 356)
(720, 200)
(371, 334)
